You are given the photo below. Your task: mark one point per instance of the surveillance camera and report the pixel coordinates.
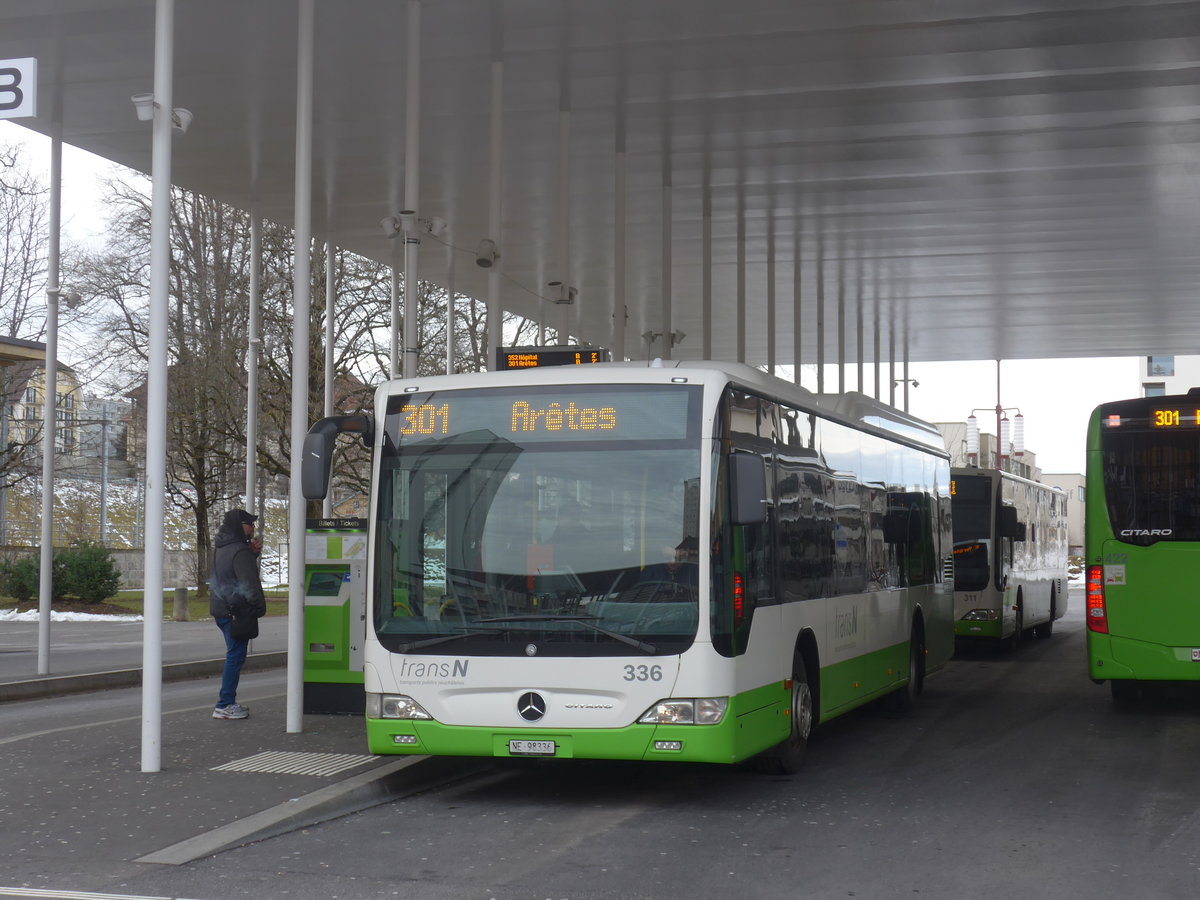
(486, 255)
(390, 226)
(180, 119)
(916, 383)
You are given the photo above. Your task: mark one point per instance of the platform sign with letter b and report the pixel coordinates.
(18, 88)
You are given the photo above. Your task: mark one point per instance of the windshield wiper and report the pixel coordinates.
(441, 639)
(649, 649)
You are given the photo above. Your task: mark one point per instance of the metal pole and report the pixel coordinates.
(706, 308)
(771, 292)
(564, 210)
(495, 319)
(999, 417)
(253, 352)
(412, 183)
(740, 324)
(330, 297)
(104, 473)
(619, 224)
(156, 386)
(797, 311)
(49, 405)
(820, 313)
(302, 292)
(668, 327)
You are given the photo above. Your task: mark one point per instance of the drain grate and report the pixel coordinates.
(286, 762)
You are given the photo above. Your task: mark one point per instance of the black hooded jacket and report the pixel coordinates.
(235, 581)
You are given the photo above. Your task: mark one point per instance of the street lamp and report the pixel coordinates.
(1002, 430)
(49, 421)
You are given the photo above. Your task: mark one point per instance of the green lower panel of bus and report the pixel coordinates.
(1112, 657)
(755, 720)
(979, 629)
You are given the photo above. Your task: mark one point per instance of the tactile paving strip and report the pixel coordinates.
(296, 763)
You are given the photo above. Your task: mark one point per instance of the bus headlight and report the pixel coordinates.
(698, 711)
(981, 615)
(394, 706)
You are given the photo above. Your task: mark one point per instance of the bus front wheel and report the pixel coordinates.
(787, 757)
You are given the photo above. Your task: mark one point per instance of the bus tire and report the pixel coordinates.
(1014, 640)
(1046, 629)
(786, 758)
(904, 699)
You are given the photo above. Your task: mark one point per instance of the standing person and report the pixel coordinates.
(236, 602)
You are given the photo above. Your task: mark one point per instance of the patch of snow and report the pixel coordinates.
(31, 615)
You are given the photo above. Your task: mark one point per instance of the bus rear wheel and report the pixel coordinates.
(787, 757)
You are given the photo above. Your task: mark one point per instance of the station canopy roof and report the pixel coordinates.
(980, 180)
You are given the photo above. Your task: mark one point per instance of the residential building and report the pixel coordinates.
(1169, 375)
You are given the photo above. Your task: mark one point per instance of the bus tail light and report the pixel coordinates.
(1097, 615)
(739, 600)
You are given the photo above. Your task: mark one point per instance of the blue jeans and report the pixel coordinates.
(235, 656)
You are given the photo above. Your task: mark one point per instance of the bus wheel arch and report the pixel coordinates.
(786, 757)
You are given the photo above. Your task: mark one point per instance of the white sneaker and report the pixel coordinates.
(232, 711)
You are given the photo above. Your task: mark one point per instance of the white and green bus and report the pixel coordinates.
(691, 562)
(1010, 555)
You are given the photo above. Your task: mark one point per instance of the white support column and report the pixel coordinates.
(668, 327)
(892, 360)
(412, 183)
(253, 354)
(797, 308)
(619, 213)
(706, 307)
(820, 314)
(771, 293)
(449, 310)
(841, 328)
(859, 386)
(564, 209)
(50, 401)
(495, 318)
(740, 325)
(302, 294)
(330, 304)
(394, 352)
(156, 384)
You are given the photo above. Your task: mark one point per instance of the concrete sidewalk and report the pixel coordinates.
(223, 783)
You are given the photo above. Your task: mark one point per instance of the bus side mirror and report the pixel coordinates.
(1007, 525)
(747, 489)
(317, 454)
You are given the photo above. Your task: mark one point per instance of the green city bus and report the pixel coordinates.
(1143, 542)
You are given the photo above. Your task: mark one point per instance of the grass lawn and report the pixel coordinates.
(132, 602)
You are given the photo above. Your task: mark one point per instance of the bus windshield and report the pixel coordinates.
(561, 519)
(1150, 464)
(971, 507)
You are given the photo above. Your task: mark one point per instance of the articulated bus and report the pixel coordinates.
(693, 562)
(1010, 555)
(1142, 539)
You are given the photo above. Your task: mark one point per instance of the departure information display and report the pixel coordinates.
(539, 357)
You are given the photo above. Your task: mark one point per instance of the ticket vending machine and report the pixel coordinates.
(335, 615)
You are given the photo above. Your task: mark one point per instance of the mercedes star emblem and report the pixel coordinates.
(531, 706)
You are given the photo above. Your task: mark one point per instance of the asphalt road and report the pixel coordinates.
(1014, 777)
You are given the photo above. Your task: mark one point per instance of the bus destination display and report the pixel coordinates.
(539, 357)
(545, 414)
(1157, 418)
